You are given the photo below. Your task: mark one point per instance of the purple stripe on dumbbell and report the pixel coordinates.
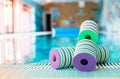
(100, 55)
(73, 48)
(105, 52)
(64, 56)
(86, 40)
(70, 57)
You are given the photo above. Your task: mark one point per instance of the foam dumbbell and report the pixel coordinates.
(88, 30)
(85, 55)
(61, 57)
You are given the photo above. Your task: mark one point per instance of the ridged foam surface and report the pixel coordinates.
(41, 71)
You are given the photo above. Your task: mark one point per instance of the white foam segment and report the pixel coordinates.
(89, 21)
(90, 24)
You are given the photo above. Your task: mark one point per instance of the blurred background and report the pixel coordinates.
(30, 28)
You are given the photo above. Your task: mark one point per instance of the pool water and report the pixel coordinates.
(43, 44)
